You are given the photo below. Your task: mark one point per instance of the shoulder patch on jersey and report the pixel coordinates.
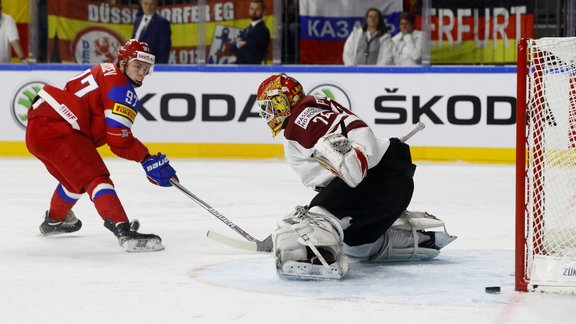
(306, 115)
(124, 94)
(125, 111)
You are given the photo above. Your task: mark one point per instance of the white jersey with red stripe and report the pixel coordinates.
(315, 117)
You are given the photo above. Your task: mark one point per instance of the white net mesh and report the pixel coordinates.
(551, 149)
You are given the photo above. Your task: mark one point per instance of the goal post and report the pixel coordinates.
(521, 76)
(546, 165)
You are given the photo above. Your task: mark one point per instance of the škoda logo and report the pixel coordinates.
(22, 101)
(332, 92)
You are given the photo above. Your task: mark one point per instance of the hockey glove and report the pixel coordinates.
(347, 161)
(158, 170)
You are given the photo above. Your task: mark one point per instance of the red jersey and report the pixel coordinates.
(100, 102)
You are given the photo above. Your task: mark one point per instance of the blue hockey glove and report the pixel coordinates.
(158, 170)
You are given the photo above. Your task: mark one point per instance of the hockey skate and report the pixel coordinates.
(421, 222)
(70, 224)
(131, 240)
(437, 240)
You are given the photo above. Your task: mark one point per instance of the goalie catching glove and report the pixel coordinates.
(158, 169)
(345, 160)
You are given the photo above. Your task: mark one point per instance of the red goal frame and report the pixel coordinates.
(537, 159)
(521, 282)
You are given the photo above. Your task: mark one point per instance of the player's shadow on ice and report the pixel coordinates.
(407, 268)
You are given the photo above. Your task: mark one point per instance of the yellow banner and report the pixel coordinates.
(17, 9)
(469, 53)
(81, 31)
(478, 32)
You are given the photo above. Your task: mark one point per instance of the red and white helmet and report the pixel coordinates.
(135, 50)
(276, 97)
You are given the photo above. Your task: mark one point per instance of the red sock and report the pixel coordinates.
(106, 201)
(62, 202)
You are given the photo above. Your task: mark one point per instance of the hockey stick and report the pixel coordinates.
(265, 245)
(254, 246)
(420, 126)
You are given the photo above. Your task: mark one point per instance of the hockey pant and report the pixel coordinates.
(72, 159)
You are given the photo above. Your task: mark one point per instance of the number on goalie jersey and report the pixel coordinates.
(363, 181)
(65, 126)
(315, 117)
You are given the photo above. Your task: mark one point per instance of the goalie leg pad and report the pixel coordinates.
(398, 245)
(308, 245)
(407, 239)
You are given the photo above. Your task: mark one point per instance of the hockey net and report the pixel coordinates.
(546, 166)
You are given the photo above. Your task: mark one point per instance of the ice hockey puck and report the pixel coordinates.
(493, 290)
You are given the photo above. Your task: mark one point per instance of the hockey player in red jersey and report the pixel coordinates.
(65, 126)
(364, 186)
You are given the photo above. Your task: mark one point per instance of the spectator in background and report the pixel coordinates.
(9, 38)
(251, 45)
(369, 44)
(408, 42)
(153, 29)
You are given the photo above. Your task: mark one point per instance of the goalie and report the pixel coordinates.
(364, 186)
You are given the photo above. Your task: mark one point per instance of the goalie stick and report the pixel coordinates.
(420, 126)
(266, 244)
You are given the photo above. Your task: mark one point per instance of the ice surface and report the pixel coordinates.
(86, 277)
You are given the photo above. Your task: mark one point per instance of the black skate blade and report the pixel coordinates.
(54, 233)
(58, 231)
(142, 245)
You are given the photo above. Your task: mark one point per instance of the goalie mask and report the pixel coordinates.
(276, 97)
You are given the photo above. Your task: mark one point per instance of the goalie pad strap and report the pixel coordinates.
(314, 250)
(401, 245)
